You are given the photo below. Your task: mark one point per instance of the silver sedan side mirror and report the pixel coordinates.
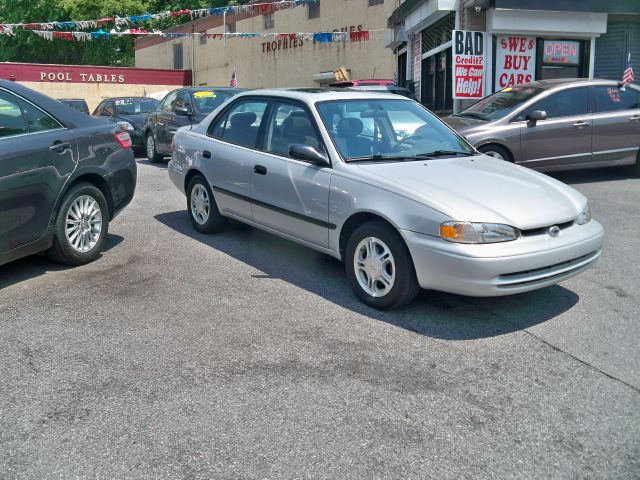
(309, 153)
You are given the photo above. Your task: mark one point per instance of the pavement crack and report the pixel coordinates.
(584, 362)
(558, 349)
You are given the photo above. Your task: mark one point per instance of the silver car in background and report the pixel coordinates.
(403, 210)
(553, 125)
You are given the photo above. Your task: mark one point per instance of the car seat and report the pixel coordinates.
(240, 129)
(349, 141)
(295, 129)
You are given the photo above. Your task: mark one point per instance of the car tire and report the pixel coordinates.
(636, 167)
(387, 281)
(152, 153)
(496, 151)
(81, 226)
(202, 208)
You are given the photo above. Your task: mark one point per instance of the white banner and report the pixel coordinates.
(515, 60)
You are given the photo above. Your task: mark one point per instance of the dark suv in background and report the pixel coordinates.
(181, 107)
(79, 104)
(63, 177)
(130, 113)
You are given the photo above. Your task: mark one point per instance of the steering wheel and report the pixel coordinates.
(410, 141)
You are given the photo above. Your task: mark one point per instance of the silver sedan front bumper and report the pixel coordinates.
(505, 268)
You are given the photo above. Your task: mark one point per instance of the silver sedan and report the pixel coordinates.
(379, 182)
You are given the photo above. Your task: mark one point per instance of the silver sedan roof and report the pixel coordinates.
(312, 95)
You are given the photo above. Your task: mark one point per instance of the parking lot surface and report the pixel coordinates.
(242, 355)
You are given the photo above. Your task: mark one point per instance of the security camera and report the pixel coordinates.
(477, 9)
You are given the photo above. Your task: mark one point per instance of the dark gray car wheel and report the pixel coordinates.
(81, 226)
(379, 267)
(496, 151)
(202, 208)
(152, 152)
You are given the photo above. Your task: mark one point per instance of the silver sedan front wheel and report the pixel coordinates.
(374, 266)
(83, 224)
(379, 267)
(200, 204)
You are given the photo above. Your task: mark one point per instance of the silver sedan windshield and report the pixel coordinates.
(388, 130)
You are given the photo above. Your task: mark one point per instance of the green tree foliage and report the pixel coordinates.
(118, 51)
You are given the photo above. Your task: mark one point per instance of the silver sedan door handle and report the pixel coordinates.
(635, 118)
(581, 124)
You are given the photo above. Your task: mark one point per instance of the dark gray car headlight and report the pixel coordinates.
(585, 215)
(468, 232)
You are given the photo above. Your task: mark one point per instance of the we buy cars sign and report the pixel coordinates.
(515, 60)
(469, 63)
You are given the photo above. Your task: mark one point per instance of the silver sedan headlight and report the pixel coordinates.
(585, 215)
(468, 232)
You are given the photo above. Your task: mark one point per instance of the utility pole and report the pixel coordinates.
(193, 54)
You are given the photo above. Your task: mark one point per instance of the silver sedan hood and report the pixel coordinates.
(480, 189)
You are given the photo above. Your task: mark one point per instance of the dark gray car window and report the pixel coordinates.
(98, 110)
(11, 119)
(612, 98)
(184, 99)
(169, 102)
(566, 103)
(37, 120)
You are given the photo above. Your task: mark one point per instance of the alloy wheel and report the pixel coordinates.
(491, 153)
(200, 204)
(83, 224)
(151, 147)
(374, 267)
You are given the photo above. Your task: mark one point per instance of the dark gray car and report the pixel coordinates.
(554, 125)
(179, 108)
(63, 177)
(130, 113)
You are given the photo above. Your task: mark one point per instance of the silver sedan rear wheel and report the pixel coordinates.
(200, 204)
(83, 223)
(374, 267)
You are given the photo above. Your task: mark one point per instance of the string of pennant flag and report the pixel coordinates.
(318, 37)
(73, 25)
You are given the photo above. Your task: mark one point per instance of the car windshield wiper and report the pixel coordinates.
(470, 114)
(409, 158)
(444, 153)
(373, 158)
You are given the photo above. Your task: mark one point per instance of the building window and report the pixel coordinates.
(231, 27)
(314, 10)
(177, 56)
(375, 2)
(438, 33)
(268, 21)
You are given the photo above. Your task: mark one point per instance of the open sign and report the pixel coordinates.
(561, 52)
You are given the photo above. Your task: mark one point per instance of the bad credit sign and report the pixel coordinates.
(469, 63)
(515, 60)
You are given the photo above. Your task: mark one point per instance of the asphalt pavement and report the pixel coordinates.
(242, 355)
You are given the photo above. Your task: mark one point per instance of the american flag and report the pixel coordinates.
(627, 75)
(234, 79)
